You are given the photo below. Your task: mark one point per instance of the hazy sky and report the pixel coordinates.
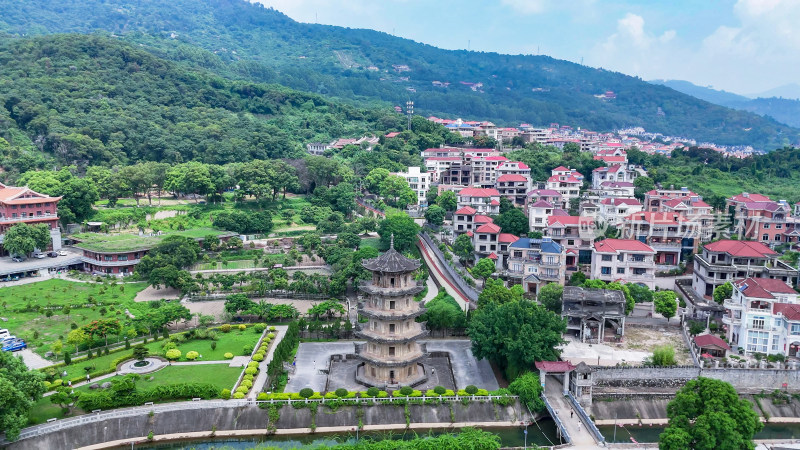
(743, 46)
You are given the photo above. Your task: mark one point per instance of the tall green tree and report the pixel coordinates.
(20, 388)
(515, 335)
(484, 268)
(707, 414)
(402, 227)
(22, 239)
(513, 221)
(463, 248)
(550, 296)
(723, 292)
(435, 215)
(447, 200)
(666, 303)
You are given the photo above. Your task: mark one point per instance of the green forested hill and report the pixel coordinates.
(87, 99)
(249, 41)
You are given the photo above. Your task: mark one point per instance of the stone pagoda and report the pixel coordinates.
(391, 356)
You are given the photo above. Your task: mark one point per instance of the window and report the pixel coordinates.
(639, 271)
(606, 257)
(758, 323)
(107, 258)
(775, 340)
(391, 304)
(605, 270)
(796, 328)
(778, 226)
(570, 241)
(391, 351)
(122, 258)
(410, 370)
(766, 226)
(620, 270)
(638, 258)
(757, 341)
(765, 237)
(391, 328)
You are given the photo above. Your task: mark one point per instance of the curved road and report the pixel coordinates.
(440, 274)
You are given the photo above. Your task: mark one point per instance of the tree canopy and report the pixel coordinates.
(707, 414)
(402, 226)
(22, 239)
(20, 388)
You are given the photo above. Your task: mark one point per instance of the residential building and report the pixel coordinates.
(534, 263)
(513, 187)
(626, 260)
(727, 260)
(24, 205)
(435, 165)
(514, 168)
(111, 262)
(486, 240)
(419, 182)
(672, 235)
(763, 316)
(539, 212)
(619, 173)
(573, 233)
(550, 196)
(457, 174)
(484, 201)
(611, 211)
(463, 219)
(688, 204)
(566, 182)
(317, 148)
(767, 221)
(484, 170)
(618, 189)
(591, 314)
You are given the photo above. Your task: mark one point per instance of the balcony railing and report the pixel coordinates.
(730, 304)
(728, 320)
(22, 219)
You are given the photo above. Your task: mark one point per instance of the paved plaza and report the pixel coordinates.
(313, 362)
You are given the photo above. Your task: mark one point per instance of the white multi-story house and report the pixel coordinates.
(419, 182)
(514, 168)
(566, 182)
(484, 201)
(728, 260)
(538, 213)
(626, 260)
(611, 211)
(548, 195)
(617, 173)
(317, 148)
(435, 165)
(484, 170)
(763, 316)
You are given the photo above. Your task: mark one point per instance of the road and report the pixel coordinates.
(439, 274)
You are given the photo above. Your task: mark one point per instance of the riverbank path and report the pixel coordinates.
(581, 437)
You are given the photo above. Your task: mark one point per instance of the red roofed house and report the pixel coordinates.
(513, 187)
(539, 211)
(484, 201)
(572, 233)
(566, 181)
(619, 173)
(686, 202)
(23, 205)
(712, 345)
(669, 233)
(486, 240)
(514, 168)
(626, 260)
(611, 211)
(763, 220)
(484, 170)
(463, 219)
(727, 260)
(763, 316)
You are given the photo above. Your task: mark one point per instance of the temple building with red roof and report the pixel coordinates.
(24, 205)
(729, 260)
(763, 316)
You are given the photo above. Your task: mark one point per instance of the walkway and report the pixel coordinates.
(437, 272)
(581, 437)
(433, 290)
(33, 360)
(261, 378)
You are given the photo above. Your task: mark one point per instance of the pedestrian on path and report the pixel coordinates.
(579, 426)
(571, 413)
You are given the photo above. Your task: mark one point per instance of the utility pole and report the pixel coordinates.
(409, 112)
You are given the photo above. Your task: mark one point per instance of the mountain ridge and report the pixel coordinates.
(265, 45)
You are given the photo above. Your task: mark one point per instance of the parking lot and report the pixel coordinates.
(32, 266)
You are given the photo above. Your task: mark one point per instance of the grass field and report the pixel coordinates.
(371, 242)
(220, 375)
(131, 242)
(51, 296)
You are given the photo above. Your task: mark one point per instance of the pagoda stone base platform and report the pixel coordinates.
(346, 371)
(368, 381)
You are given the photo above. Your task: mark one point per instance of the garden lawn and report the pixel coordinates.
(371, 242)
(76, 369)
(232, 342)
(54, 294)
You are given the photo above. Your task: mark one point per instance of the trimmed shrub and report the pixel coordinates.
(228, 355)
(248, 377)
(406, 390)
(226, 393)
(306, 392)
(373, 392)
(173, 354)
(259, 327)
(225, 328)
(251, 370)
(252, 364)
(439, 390)
(238, 396)
(272, 328)
(258, 357)
(262, 396)
(247, 383)
(271, 336)
(242, 327)
(471, 389)
(247, 350)
(341, 392)
(192, 355)
(242, 389)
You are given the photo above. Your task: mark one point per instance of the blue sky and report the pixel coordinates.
(743, 46)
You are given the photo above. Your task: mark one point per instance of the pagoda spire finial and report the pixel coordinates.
(391, 242)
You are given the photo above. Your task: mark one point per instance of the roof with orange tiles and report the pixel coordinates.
(507, 237)
(479, 192)
(482, 219)
(763, 287)
(492, 256)
(567, 179)
(494, 203)
(540, 204)
(620, 201)
(611, 159)
(561, 169)
(750, 198)
(468, 210)
(554, 366)
(740, 248)
(13, 194)
(789, 310)
(488, 228)
(675, 202)
(511, 177)
(707, 340)
(622, 245)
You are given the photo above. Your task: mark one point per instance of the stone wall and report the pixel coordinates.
(742, 379)
(254, 418)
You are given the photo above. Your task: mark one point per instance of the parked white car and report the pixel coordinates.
(39, 255)
(62, 253)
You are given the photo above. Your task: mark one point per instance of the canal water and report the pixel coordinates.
(650, 434)
(544, 434)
